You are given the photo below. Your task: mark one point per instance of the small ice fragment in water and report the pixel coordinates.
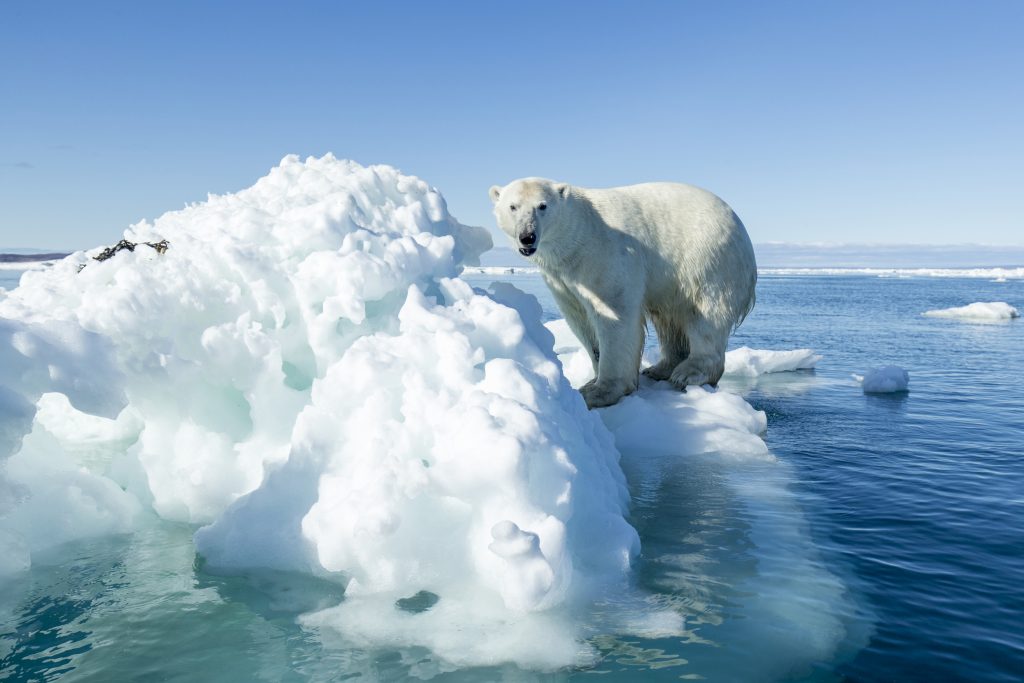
(884, 380)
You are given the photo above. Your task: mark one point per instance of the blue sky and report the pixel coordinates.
(819, 122)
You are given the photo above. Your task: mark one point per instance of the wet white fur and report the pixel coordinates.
(671, 252)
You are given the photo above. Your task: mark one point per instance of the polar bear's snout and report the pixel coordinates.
(528, 242)
(525, 208)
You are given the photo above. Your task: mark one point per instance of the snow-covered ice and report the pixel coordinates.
(304, 372)
(742, 362)
(888, 379)
(980, 310)
(305, 375)
(748, 362)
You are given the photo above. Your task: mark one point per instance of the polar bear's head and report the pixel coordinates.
(527, 209)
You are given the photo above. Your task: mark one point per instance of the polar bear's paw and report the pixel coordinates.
(602, 394)
(660, 371)
(691, 373)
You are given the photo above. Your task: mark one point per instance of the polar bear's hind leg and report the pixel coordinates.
(675, 347)
(706, 362)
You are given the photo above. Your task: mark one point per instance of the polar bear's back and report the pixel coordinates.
(698, 240)
(679, 212)
(673, 218)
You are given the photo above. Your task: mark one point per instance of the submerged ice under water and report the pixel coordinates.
(385, 474)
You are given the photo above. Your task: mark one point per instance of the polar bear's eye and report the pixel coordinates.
(542, 206)
(512, 207)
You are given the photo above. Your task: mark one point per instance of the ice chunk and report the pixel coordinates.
(221, 337)
(42, 502)
(216, 343)
(748, 362)
(661, 419)
(307, 376)
(62, 501)
(993, 310)
(741, 362)
(884, 380)
(449, 457)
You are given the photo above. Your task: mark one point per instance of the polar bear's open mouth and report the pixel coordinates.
(528, 251)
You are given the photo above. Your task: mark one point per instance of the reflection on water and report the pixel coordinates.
(773, 384)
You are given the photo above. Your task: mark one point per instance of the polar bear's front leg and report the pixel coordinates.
(620, 342)
(578, 319)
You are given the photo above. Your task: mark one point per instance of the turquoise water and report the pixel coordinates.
(886, 543)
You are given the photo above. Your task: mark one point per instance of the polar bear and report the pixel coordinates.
(673, 253)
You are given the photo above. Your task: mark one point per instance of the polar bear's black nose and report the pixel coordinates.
(528, 238)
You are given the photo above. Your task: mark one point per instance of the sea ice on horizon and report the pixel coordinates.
(998, 273)
(981, 310)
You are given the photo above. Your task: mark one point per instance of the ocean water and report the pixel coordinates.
(885, 544)
(9, 278)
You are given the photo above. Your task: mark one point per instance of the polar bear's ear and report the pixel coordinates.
(495, 192)
(562, 189)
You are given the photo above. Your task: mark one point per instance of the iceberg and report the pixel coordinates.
(981, 310)
(304, 377)
(303, 373)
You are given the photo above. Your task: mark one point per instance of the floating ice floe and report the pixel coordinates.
(888, 379)
(741, 362)
(694, 421)
(305, 374)
(748, 362)
(981, 310)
